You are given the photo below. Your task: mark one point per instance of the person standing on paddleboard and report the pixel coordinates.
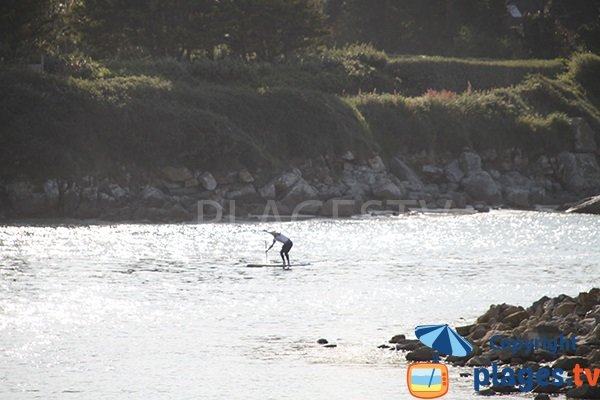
(285, 249)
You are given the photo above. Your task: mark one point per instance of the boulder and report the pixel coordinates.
(52, 193)
(153, 197)
(376, 164)
(433, 173)
(542, 166)
(517, 197)
(322, 341)
(564, 309)
(245, 176)
(300, 192)
(479, 361)
(421, 354)
(583, 136)
(388, 191)
(267, 192)
(244, 193)
(286, 181)
(480, 186)
(348, 156)
(453, 172)
(515, 318)
(579, 172)
(396, 339)
(403, 172)
(18, 191)
(567, 363)
(208, 181)
(591, 205)
(469, 162)
(177, 174)
(584, 392)
(191, 183)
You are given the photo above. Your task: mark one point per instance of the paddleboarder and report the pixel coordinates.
(285, 249)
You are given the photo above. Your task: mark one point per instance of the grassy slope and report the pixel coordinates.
(213, 114)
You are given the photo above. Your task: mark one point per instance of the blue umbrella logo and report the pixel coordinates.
(443, 339)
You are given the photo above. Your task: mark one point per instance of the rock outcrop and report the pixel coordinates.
(326, 186)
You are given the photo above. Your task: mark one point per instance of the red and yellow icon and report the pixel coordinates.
(427, 380)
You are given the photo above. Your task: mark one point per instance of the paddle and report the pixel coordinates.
(266, 251)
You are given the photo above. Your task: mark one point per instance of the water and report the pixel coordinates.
(171, 312)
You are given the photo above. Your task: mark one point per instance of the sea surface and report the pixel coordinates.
(134, 311)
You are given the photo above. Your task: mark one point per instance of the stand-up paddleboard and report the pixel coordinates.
(274, 265)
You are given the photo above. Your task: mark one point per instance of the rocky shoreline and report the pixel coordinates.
(342, 186)
(577, 317)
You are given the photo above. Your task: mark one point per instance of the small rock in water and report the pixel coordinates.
(383, 346)
(542, 397)
(330, 346)
(465, 374)
(486, 392)
(397, 339)
(322, 341)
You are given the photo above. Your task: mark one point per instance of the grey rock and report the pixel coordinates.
(117, 192)
(244, 193)
(591, 205)
(286, 181)
(481, 186)
(469, 162)
(348, 156)
(301, 191)
(479, 361)
(583, 135)
(433, 173)
(19, 191)
(459, 199)
(177, 174)
(245, 176)
(207, 180)
(396, 339)
(584, 392)
(494, 173)
(453, 172)
(542, 166)
(519, 198)
(579, 172)
(403, 172)
(376, 164)
(191, 183)
(421, 354)
(388, 191)
(359, 191)
(267, 192)
(322, 341)
(52, 193)
(153, 197)
(567, 363)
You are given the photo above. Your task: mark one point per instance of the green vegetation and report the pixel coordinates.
(216, 116)
(213, 84)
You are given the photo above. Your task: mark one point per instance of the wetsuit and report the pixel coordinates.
(285, 249)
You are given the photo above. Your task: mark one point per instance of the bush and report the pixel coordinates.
(584, 68)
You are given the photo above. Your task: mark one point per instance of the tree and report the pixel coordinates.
(32, 26)
(265, 29)
(157, 28)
